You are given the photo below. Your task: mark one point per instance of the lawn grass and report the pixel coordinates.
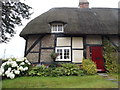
(94, 81)
(114, 75)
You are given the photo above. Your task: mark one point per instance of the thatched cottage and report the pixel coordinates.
(73, 33)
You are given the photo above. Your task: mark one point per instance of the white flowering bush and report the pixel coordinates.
(14, 67)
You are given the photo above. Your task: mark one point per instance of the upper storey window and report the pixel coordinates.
(57, 28)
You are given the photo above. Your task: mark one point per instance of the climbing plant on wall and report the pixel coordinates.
(111, 56)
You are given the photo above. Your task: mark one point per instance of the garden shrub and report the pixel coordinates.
(70, 69)
(89, 66)
(111, 57)
(14, 67)
(66, 69)
(59, 71)
(41, 70)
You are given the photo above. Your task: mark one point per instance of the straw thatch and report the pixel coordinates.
(101, 21)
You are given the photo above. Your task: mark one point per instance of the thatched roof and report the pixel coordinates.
(78, 21)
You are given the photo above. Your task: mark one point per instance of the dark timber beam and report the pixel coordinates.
(35, 43)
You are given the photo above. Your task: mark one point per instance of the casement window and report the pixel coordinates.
(64, 53)
(57, 28)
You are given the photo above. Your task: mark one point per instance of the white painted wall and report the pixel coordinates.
(77, 56)
(63, 41)
(77, 42)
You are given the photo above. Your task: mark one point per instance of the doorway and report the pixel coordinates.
(97, 57)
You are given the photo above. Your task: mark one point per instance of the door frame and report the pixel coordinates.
(89, 52)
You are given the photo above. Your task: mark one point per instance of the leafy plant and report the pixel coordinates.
(59, 71)
(111, 57)
(66, 69)
(89, 66)
(40, 71)
(12, 14)
(54, 55)
(70, 69)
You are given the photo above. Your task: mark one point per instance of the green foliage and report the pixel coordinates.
(12, 15)
(54, 55)
(111, 57)
(70, 69)
(59, 71)
(66, 69)
(89, 66)
(39, 71)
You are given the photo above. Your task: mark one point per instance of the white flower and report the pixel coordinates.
(8, 62)
(29, 63)
(26, 68)
(2, 70)
(26, 61)
(9, 69)
(25, 58)
(17, 72)
(12, 76)
(14, 64)
(7, 72)
(3, 64)
(22, 63)
(19, 59)
(20, 68)
(8, 75)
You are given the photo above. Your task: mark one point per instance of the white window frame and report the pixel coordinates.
(57, 28)
(63, 59)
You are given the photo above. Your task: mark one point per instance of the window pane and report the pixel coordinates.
(57, 28)
(61, 54)
(60, 27)
(59, 51)
(64, 53)
(54, 28)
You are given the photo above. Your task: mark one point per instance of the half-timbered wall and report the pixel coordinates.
(47, 47)
(77, 49)
(31, 39)
(39, 48)
(76, 45)
(32, 54)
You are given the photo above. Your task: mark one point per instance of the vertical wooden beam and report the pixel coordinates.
(26, 44)
(39, 57)
(71, 51)
(84, 47)
(55, 41)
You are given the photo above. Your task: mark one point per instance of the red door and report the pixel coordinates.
(97, 57)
